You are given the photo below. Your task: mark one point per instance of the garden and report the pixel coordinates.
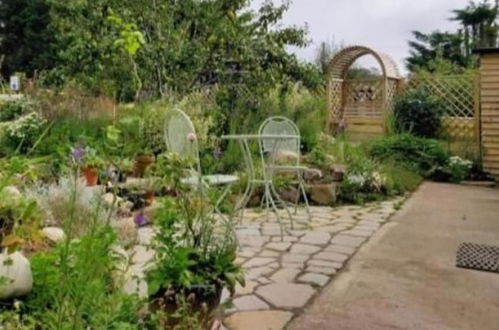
(100, 229)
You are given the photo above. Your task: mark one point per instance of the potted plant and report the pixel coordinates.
(142, 161)
(90, 166)
(194, 260)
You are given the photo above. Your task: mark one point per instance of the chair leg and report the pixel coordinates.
(305, 199)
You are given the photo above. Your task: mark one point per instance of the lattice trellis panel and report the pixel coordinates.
(335, 102)
(458, 94)
(391, 92)
(363, 98)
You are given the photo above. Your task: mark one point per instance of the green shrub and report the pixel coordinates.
(418, 154)
(22, 133)
(14, 109)
(419, 113)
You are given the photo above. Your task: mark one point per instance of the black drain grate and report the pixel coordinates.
(478, 256)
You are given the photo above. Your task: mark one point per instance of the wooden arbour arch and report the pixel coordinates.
(361, 103)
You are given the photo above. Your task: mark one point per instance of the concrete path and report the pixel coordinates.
(405, 278)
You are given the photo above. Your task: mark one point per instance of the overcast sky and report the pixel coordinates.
(384, 25)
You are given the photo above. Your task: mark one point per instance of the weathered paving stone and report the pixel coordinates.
(285, 275)
(145, 235)
(256, 262)
(321, 270)
(314, 279)
(297, 258)
(297, 233)
(249, 303)
(269, 253)
(247, 252)
(265, 320)
(324, 263)
(271, 231)
(142, 254)
(347, 240)
(248, 288)
(286, 295)
(278, 246)
(340, 249)
(257, 272)
(331, 256)
(284, 239)
(240, 260)
(358, 232)
(247, 232)
(263, 280)
(254, 241)
(304, 249)
(316, 237)
(296, 265)
(334, 228)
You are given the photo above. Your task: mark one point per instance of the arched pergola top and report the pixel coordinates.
(342, 61)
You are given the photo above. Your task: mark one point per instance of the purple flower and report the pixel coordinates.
(78, 153)
(140, 219)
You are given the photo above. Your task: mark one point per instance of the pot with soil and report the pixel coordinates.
(142, 162)
(199, 301)
(91, 175)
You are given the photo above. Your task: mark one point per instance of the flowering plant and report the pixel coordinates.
(458, 168)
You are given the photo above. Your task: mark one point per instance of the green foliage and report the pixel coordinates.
(22, 133)
(418, 112)
(73, 287)
(452, 51)
(455, 170)
(192, 247)
(421, 155)
(14, 109)
(169, 45)
(26, 37)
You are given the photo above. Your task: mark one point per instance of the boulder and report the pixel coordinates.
(135, 282)
(323, 194)
(127, 231)
(312, 174)
(109, 199)
(15, 269)
(289, 194)
(53, 234)
(13, 192)
(285, 157)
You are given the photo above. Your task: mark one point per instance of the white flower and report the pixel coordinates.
(356, 179)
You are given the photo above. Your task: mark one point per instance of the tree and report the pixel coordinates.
(25, 36)
(479, 25)
(427, 48)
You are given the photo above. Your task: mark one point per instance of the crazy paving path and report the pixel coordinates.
(283, 276)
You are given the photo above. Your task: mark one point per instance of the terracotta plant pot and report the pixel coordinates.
(91, 175)
(142, 162)
(204, 300)
(149, 197)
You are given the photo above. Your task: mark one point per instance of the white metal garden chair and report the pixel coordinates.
(180, 138)
(279, 125)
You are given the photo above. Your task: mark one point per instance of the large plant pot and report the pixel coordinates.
(142, 162)
(91, 176)
(204, 301)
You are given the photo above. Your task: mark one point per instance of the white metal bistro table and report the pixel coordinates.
(270, 194)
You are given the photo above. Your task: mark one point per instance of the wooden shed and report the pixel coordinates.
(489, 109)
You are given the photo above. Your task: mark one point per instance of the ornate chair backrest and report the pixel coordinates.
(180, 136)
(279, 125)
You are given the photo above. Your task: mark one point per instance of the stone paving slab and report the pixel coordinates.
(284, 274)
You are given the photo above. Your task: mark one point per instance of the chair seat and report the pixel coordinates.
(214, 180)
